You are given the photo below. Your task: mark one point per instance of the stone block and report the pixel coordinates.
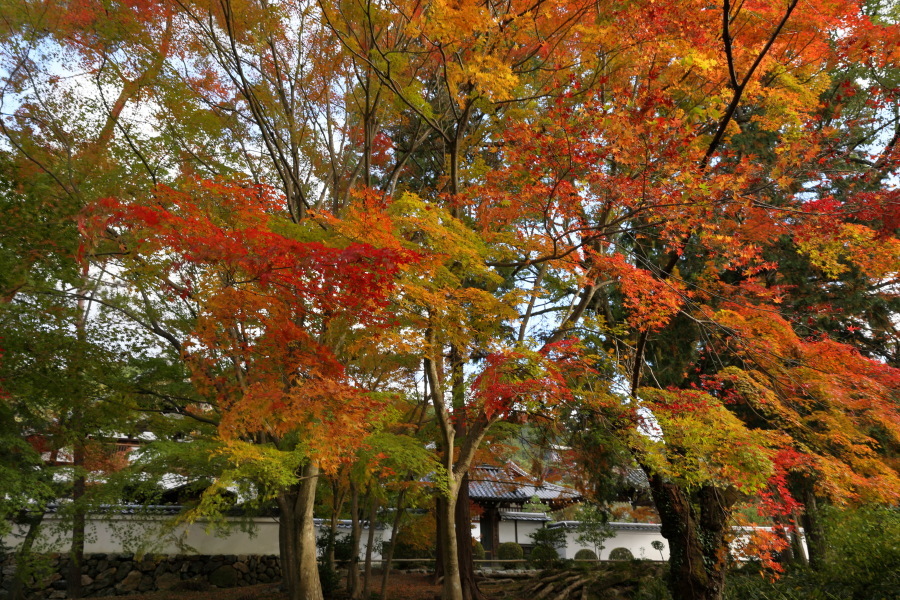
(107, 574)
(167, 580)
(147, 565)
(130, 583)
(224, 576)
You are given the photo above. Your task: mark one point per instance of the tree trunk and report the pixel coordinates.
(695, 526)
(332, 541)
(450, 551)
(812, 527)
(797, 541)
(33, 521)
(76, 552)
(77, 426)
(370, 545)
(440, 531)
(287, 545)
(297, 538)
(337, 501)
(466, 560)
(388, 554)
(353, 583)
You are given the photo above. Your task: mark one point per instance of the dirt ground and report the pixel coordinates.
(620, 580)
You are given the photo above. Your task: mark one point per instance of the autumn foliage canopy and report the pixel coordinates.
(674, 221)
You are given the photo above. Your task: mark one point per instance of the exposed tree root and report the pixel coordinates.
(602, 582)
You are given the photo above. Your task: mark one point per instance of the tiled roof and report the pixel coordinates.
(615, 525)
(637, 478)
(125, 509)
(513, 485)
(512, 515)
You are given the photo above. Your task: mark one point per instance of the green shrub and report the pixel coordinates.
(547, 541)
(329, 578)
(863, 556)
(799, 584)
(544, 557)
(477, 550)
(343, 548)
(585, 554)
(551, 537)
(652, 588)
(621, 554)
(407, 551)
(510, 551)
(862, 562)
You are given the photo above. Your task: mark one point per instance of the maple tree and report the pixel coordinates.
(273, 317)
(60, 148)
(669, 203)
(670, 216)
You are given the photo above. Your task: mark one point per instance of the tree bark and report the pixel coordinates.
(77, 426)
(353, 583)
(76, 552)
(466, 560)
(287, 545)
(440, 536)
(695, 526)
(297, 537)
(800, 555)
(337, 500)
(812, 527)
(452, 589)
(456, 524)
(34, 525)
(310, 588)
(370, 543)
(388, 554)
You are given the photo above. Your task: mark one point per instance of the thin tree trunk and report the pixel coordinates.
(353, 583)
(466, 560)
(388, 554)
(440, 536)
(76, 552)
(336, 502)
(370, 543)
(797, 541)
(77, 426)
(332, 541)
(34, 525)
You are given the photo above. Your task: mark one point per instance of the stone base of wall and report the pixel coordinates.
(121, 574)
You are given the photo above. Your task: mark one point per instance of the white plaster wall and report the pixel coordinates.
(161, 536)
(638, 542)
(140, 534)
(509, 530)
